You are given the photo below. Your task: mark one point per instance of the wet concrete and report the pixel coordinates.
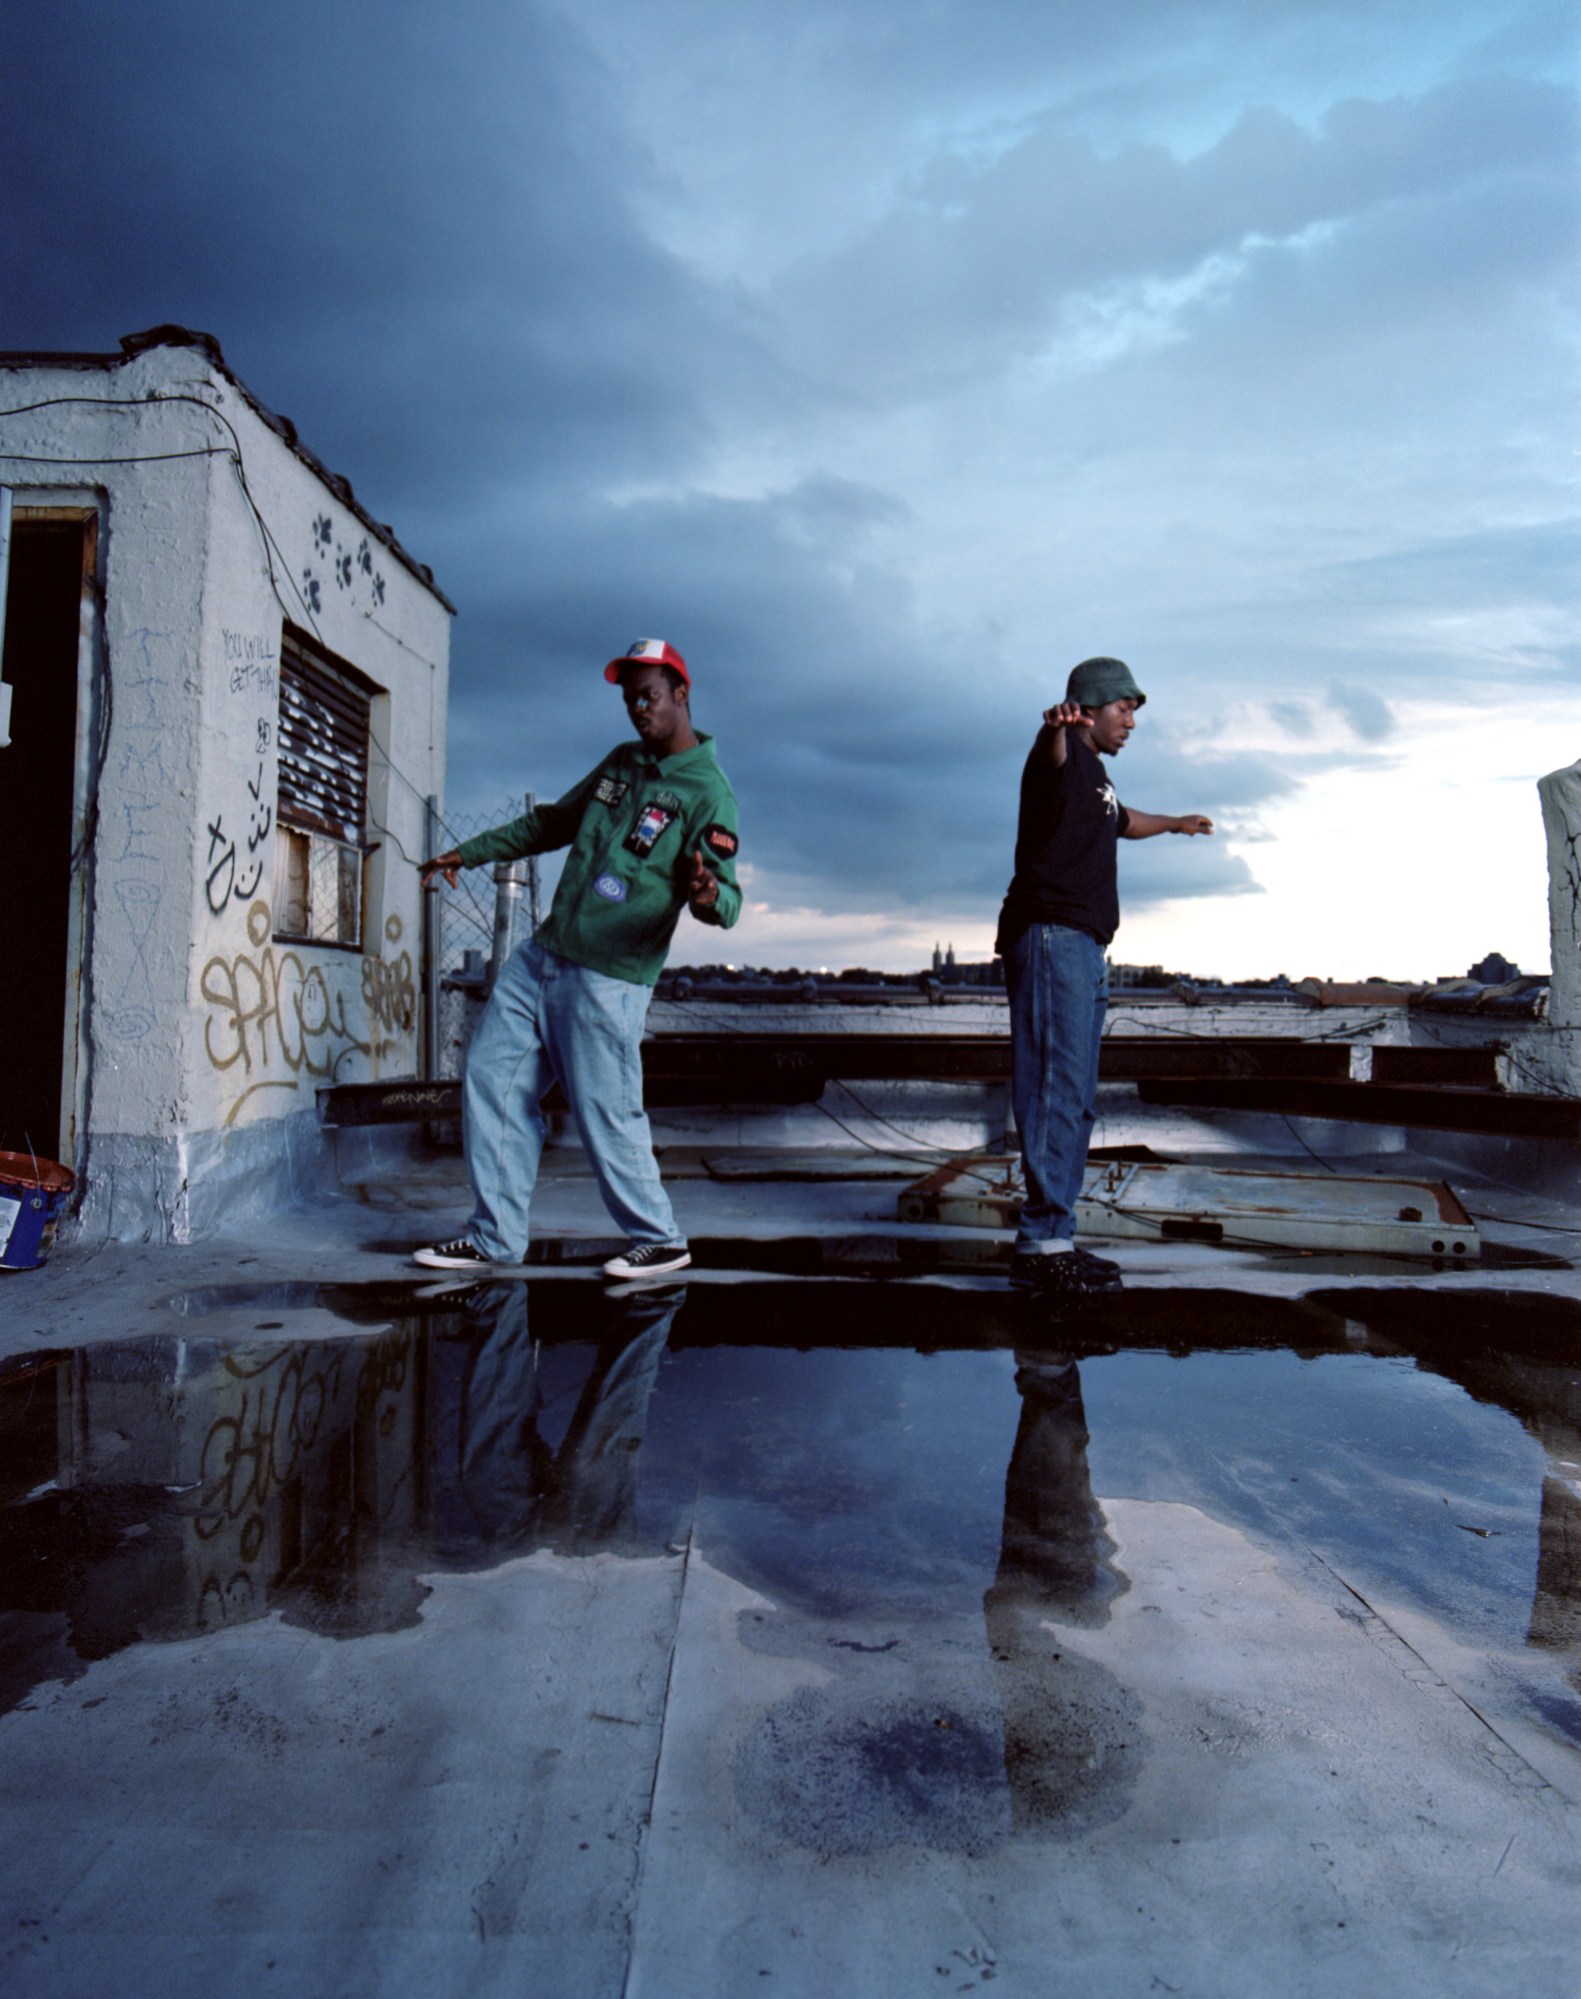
(793, 1634)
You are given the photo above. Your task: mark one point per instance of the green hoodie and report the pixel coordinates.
(632, 825)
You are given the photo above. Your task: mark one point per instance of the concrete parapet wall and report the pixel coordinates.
(1560, 793)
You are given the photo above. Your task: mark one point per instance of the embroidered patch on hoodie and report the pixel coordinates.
(658, 813)
(721, 840)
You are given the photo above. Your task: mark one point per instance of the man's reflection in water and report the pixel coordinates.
(518, 1489)
(1072, 1730)
(1055, 1545)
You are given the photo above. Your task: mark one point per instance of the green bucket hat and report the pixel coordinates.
(1098, 681)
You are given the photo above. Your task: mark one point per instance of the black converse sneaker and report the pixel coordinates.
(1062, 1274)
(653, 1259)
(461, 1254)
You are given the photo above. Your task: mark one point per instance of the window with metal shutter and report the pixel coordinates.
(321, 813)
(323, 747)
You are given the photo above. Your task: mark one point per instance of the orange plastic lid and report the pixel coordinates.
(45, 1176)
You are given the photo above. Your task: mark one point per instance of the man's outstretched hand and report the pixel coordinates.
(702, 890)
(1193, 822)
(448, 865)
(1066, 715)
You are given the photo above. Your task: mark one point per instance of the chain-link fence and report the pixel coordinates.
(465, 931)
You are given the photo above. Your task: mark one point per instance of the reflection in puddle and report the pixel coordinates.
(514, 1490)
(857, 1454)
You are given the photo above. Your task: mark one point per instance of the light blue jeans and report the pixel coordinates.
(1059, 992)
(550, 1021)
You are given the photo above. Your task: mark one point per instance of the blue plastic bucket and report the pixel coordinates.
(33, 1196)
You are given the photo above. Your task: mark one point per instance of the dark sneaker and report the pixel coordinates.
(1103, 1267)
(458, 1255)
(653, 1259)
(1062, 1275)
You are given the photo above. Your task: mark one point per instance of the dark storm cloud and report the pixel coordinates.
(607, 310)
(411, 229)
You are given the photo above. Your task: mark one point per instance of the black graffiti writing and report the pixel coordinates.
(229, 878)
(226, 877)
(252, 660)
(260, 819)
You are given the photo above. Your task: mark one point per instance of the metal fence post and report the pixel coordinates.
(431, 946)
(510, 879)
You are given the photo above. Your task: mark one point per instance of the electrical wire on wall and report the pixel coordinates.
(233, 452)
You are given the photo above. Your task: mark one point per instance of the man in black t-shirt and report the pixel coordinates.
(1060, 913)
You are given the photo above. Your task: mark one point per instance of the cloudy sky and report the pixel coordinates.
(888, 357)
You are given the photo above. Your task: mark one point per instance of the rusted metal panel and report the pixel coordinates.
(1229, 1206)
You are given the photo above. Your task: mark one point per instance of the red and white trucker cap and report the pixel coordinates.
(647, 652)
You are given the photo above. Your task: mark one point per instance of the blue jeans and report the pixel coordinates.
(1059, 991)
(550, 1021)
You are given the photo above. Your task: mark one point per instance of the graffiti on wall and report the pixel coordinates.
(352, 570)
(274, 1020)
(388, 987)
(252, 662)
(234, 875)
(240, 832)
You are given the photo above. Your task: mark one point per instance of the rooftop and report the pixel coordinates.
(836, 1617)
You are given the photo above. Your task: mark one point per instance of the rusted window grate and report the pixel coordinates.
(323, 797)
(323, 746)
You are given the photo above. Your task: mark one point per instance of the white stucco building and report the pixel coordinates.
(227, 692)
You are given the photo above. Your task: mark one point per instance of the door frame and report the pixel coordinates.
(86, 509)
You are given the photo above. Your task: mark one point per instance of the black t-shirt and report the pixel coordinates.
(1065, 846)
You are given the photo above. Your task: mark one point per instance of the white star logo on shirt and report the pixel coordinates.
(1110, 803)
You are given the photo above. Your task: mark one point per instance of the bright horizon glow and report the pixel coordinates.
(1418, 849)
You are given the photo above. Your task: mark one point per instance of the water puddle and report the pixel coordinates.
(859, 1454)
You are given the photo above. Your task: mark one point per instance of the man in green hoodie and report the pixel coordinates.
(652, 831)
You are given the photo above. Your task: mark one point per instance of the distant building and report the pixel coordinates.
(228, 689)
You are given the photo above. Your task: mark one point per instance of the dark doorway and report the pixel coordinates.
(43, 615)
